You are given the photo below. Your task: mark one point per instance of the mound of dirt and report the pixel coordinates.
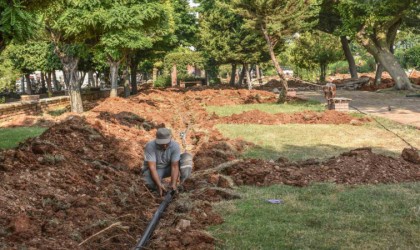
(306, 117)
(359, 166)
(65, 186)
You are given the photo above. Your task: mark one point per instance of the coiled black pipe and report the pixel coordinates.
(152, 224)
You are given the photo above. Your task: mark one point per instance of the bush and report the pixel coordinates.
(162, 81)
(340, 67)
(366, 66)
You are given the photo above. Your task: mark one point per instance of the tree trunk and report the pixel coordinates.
(248, 77)
(349, 57)
(242, 76)
(155, 73)
(49, 76)
(57, 86)
(378, 74)
(174, 76)
(22, 84)
(114, 65)
(323, 67)
(70, 71)
(28, 84)
(257, 69)
(391, 65)
(126, 81)
(97, 81)
(283, 93)
(133, 74)
(66, 79)
(90, 79)
(232, 75)
(81, 78)
(43, 87)
(378, 45)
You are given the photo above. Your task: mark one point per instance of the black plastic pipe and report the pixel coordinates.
(152, 224)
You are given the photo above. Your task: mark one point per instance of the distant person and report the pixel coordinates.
(163, 158)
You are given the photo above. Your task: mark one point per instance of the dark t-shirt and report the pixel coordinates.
(163, 158)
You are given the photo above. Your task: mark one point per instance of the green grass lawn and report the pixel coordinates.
(10, 137)
(303, 141)
(272, 108)
(322, 216)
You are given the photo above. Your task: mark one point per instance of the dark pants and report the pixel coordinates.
(185, 169)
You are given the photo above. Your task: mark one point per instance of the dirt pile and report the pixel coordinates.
(359, 166)
(67, 185)
(82, 176)
(306, 117)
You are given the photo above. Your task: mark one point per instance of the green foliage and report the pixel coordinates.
(280, 18)
(8, 73)
(34, 55)
(16, 22)
(340, 67)
(182, 59)
(225, 38)
(316, 49)
(411, 58)
(162, 81)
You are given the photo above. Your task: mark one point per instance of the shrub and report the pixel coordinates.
(162, 81)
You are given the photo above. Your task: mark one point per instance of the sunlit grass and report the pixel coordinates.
(303, 141)
(272, 108)
(10, 137)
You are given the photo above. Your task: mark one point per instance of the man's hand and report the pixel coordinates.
(161, 189)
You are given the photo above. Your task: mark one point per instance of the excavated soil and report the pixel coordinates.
(78, 186)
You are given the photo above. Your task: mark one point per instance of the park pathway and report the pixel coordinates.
(391, 105)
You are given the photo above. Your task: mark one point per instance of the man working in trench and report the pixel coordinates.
(163, 158)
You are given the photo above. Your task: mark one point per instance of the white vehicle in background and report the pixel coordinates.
(287, 71)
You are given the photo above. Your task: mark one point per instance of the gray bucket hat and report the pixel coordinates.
(163, 136)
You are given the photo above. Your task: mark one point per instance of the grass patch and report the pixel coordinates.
(57, 112)
(272, 108)
(322, 216)
(303, 141)
(10, 137)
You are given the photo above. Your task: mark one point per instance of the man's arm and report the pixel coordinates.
(174, 174)
(155, 177)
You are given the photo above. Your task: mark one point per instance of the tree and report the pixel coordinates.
(127, 26)
(330, 22)
(8, 73)
(316, 48)
(18, 20)
(375, 27)
(276, 20)
(224, 37)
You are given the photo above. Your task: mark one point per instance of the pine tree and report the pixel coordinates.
(276, 20)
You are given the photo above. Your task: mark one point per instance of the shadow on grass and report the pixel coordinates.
(295, 153)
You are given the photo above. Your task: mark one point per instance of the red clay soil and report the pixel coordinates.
(359, 166)
(83, 175)
(80, 180)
